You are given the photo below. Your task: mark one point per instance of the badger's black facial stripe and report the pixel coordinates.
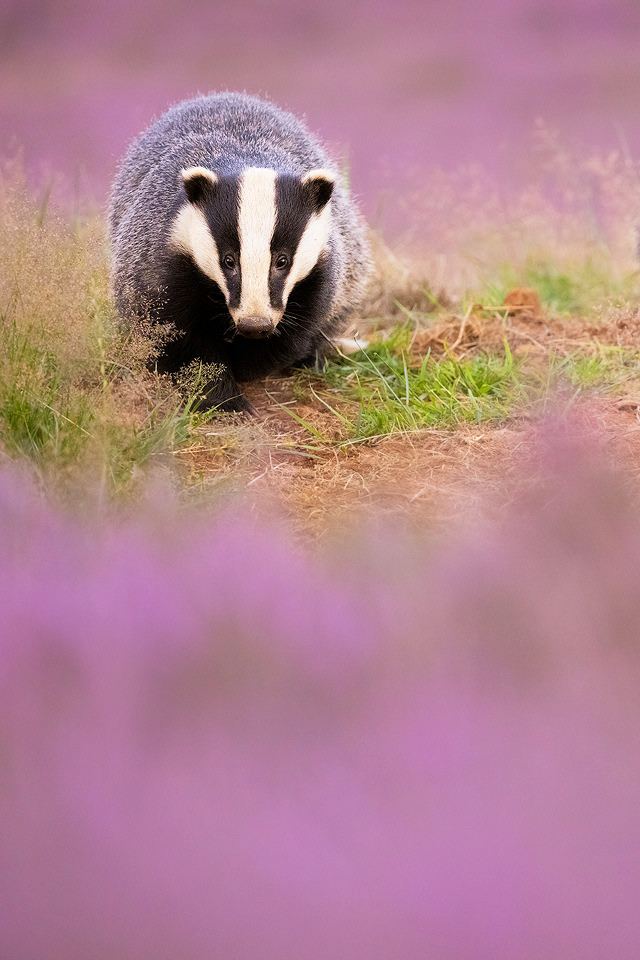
(294, 207)
(301, 230)
(221, 211)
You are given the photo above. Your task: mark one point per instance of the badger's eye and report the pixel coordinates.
(229, 262)
(282, 262)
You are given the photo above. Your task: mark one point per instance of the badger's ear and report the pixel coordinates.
(319, 186)
(199, 183)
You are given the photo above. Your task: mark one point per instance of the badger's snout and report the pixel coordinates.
(255, 327)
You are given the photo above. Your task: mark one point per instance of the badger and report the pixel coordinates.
(230, 225)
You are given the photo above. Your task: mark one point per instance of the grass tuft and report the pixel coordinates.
(75, 393)
(387, 391)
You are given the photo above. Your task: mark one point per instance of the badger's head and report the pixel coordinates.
(256, 235)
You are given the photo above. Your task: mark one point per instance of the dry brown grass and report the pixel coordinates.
(75, 394)
(53, 278)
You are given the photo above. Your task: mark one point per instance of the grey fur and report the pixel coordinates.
(224, 132)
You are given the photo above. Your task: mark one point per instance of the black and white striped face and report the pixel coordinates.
(256, 235)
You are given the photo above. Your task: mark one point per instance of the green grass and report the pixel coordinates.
(384, 390)
(75, 395)
(41, 415)
(392, 394)
(57, 417)
(611, 369)
(89, 404)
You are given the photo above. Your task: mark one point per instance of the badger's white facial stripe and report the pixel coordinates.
(190, 234)
(312, 242)
(256, 223)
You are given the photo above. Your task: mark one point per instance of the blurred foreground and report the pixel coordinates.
(215, 745)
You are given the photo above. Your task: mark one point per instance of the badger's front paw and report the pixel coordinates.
(213, 398)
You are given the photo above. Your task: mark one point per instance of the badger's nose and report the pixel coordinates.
(255, 326)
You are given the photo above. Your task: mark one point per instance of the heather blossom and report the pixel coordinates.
(214, 744)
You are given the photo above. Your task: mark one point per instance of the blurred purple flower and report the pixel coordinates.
(215, 745)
